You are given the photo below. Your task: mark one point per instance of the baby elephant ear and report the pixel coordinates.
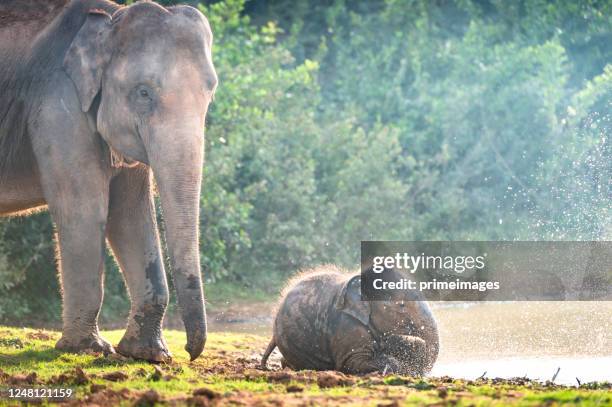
(88, 55)
(349, 301)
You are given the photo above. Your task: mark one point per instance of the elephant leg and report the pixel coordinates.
(79, 213)
(74, 175)
(361, 361)
(133, 235)
(81, 269)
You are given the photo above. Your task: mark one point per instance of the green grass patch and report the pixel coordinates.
(226, 374)
(217, 293)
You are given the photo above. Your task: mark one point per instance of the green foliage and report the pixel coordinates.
(338, 121)
(477, 114)
(27, 266)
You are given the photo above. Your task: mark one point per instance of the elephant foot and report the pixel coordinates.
(151, 349)
(88, 343)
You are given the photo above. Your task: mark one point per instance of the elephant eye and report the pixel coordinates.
(144, 92)
(143, 99)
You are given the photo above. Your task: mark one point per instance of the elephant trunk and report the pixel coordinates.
(425, 327)
(176, 159)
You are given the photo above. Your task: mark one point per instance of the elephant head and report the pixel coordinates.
(404, 314)
(146, 78)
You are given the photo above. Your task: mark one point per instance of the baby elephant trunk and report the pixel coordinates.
(425, 327)
(410, 353)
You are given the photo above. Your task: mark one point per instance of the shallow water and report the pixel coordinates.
(585, 369)
(507, 340)
(530, 339)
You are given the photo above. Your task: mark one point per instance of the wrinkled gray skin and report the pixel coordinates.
(322, 324)
(82, 78)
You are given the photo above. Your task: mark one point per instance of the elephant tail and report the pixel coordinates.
(266, 355)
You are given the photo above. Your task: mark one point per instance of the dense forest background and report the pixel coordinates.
(339, 121)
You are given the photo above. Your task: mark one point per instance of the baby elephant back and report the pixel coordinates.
(301, 326)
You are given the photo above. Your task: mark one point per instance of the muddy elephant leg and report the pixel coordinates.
(79, 209)
(81, 246)
(361, 361)
(383, 364)
(132, 233)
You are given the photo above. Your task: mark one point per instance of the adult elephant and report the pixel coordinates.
(96, 101)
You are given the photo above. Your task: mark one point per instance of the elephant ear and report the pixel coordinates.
(193, 14)
(88, 55)
(349, 301)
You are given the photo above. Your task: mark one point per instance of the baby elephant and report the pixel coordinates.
(322, 324)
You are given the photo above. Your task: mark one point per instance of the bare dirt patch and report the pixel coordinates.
(39, 335)
(115, 376)
(74, 377)
(20, 379)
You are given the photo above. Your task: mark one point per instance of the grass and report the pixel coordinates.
(226, 374)
(219, 292)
